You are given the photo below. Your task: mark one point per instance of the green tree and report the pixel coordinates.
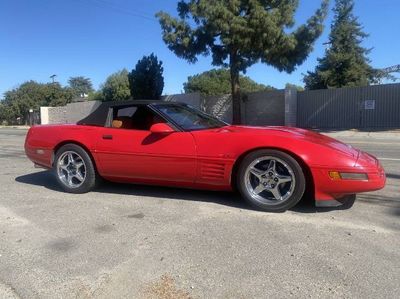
(32, 95)
(217, 82)
(96, 95)
(5, 114)
(146, 80)
(57, 95)
(298, 87)
(239, 33)
(345, 62)
(116, 87)
(80, 85)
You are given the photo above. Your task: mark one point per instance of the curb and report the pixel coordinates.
(374, 135)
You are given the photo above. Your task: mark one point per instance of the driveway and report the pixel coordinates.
(126, 241)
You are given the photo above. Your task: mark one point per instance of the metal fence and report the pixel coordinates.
(370, 107)
(264, 108)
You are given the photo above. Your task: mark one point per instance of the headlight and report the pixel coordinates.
(336, 175)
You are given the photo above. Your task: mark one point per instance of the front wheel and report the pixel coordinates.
(74, 169)
(271, 180)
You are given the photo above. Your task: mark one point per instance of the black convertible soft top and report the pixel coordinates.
(99, 116)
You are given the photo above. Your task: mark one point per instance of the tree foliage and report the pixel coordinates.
(32, 95)
(239, 33)
(146, 80)
(217, 82)
(5, 114)
(297, 87)
(80, 85)
(345, 62)
(116, 87)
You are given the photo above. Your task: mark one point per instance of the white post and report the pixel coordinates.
(44, 115)
(290, 107)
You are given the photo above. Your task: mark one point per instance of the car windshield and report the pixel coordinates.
(190, 119)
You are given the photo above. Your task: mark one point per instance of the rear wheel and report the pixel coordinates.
(271, 180)
(74, 169)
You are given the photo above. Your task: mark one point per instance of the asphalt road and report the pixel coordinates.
(126, 241)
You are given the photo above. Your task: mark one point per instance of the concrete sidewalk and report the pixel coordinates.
(391, 134)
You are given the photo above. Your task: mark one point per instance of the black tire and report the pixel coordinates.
(348, 201)
(269, 205)
(91, 178)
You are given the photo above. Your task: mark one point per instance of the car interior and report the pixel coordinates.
(135, 118)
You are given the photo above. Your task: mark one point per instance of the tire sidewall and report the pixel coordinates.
(90, 179)
(298, 173)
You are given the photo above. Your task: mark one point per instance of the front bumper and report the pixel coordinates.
(328, 189)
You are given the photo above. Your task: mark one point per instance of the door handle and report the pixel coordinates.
(109, 137)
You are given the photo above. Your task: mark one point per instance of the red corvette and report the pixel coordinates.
(172, 144)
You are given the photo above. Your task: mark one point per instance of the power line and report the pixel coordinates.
(115, 8)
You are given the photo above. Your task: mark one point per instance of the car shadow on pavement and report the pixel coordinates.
(393, 176)
(47, 180)
(232, 199)
(41, 178)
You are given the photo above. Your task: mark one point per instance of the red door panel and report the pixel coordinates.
(136, 154)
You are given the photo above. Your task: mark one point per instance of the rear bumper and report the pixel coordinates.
(39, 156)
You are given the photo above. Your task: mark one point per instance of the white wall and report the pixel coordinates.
(44, 115)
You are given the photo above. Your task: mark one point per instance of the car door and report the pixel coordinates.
(133, 153)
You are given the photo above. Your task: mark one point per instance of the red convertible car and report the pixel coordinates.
(173, 144)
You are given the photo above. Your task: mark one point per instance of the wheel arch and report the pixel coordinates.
(309, 193)
(83, 146)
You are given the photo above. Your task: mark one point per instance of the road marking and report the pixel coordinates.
(389, 159)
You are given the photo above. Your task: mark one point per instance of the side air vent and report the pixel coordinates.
(212, 171)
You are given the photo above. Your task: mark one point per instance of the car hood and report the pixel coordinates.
(296, 133)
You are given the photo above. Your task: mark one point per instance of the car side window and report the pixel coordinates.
(135, 117)
(128, 111)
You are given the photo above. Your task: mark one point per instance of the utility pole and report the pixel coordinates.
(53, 77)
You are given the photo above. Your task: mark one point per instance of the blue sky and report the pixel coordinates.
(95, 38)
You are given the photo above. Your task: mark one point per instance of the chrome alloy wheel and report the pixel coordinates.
(269, 180)
(71, 169)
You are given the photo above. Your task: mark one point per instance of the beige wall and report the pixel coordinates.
(69, 114)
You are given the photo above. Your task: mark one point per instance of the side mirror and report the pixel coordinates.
(161, 128)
